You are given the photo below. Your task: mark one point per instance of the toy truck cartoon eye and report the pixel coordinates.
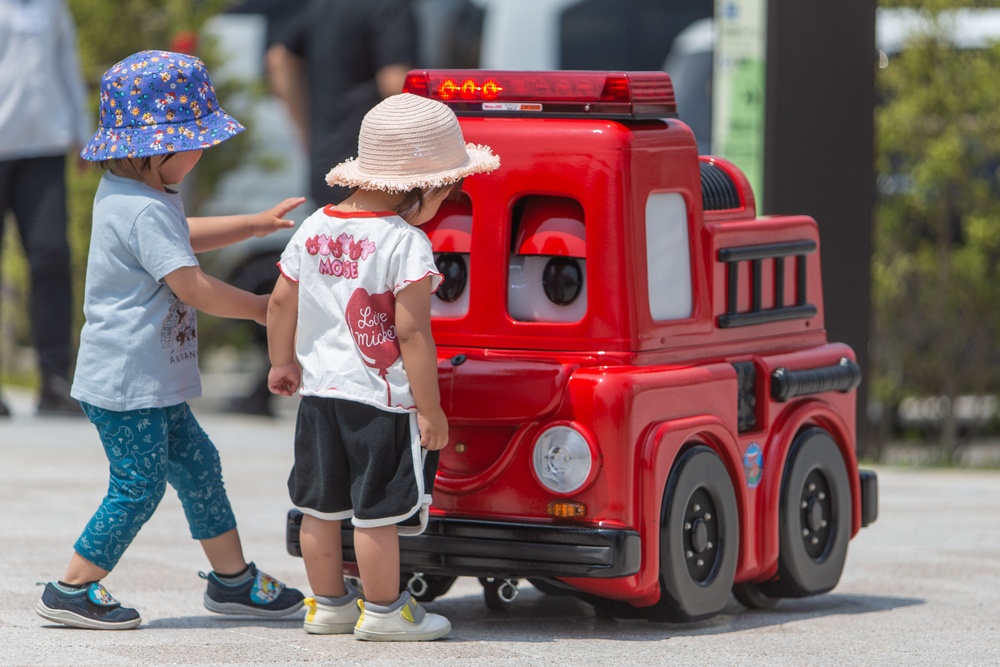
(548, 265)
(450, 233)
(644, 409)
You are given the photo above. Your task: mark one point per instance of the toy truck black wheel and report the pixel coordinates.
(815, 518)
(499, 593)
(699, 539)
(751, 596)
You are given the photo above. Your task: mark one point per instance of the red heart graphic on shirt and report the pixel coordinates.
(372, 321)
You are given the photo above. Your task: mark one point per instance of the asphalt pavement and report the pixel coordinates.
(921, 586)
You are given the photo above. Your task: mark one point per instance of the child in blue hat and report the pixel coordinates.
(138, 358)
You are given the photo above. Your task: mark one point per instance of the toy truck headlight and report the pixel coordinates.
(562, 459)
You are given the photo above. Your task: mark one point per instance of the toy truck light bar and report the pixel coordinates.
(574, 93)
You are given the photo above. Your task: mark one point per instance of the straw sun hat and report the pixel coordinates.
(408, 142)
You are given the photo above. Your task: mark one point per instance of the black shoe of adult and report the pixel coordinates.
(55, 399)
(4, 410)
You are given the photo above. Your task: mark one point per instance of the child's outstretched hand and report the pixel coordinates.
(284, 380)
(273, 219)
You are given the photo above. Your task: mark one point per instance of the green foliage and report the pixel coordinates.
(936, 6)
(109, 30)
(13, 289)
(937, 239)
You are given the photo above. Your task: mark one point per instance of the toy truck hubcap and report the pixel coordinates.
(701, 536)
(816, 506)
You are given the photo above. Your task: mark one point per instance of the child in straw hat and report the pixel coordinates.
(352, 307)
(138, 356)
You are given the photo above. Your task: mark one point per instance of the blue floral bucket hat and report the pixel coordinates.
(157, 102)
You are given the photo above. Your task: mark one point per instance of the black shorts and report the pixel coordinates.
(355, 461)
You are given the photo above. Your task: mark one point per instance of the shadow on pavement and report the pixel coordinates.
(223, 622)
(536, 617)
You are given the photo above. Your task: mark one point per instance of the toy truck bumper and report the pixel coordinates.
(869, 496)
(464, 547)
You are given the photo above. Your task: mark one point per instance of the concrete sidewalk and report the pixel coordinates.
(52, 476)
(921, 585)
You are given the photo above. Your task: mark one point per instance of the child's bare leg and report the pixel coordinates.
(225, 553)
(378, 563)
(81, 571)
(322, 552)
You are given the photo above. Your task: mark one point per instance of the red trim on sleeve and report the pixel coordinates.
(429, 273)
(281, 268)
(331, 211)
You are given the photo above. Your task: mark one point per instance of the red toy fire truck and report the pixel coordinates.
(644, 409)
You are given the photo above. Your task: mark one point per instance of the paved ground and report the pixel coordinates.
(921, 587)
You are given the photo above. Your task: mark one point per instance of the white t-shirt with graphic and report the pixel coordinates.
(349, 268)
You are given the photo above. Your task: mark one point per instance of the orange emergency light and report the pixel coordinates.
(588, 93)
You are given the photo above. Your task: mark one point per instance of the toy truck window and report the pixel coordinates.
(668, 256)
(548, 265)
(450, 233)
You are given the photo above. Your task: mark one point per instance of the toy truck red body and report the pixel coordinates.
(644, 408)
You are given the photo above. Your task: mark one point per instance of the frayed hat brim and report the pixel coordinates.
(349, 173)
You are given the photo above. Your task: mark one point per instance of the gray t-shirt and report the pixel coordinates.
(139, 345)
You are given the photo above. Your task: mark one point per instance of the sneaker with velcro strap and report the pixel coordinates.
(403, 621)
(90, 607)
(327, 619)
(259, 594)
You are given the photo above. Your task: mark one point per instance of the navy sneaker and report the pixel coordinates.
(91, 607)
(258, 595)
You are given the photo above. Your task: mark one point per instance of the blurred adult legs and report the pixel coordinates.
(34, 189)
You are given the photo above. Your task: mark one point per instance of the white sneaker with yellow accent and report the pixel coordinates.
(324, 619)
(408, 623)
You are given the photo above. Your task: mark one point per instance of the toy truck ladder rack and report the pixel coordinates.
(756, 255)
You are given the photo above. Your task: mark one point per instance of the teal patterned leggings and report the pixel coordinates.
(148, 449)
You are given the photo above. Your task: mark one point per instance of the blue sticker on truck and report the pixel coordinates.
(753, 464)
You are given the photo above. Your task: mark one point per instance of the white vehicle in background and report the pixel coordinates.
(689, 65)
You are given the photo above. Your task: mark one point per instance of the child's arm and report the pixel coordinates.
(416, 344)
(210, 295)
(222, 230)
(282, 317)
